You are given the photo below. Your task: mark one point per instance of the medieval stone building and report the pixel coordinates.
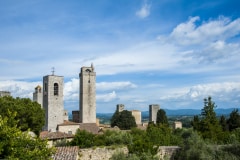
(87, 106)
(53, 101)
(38, 95)
(153, 109)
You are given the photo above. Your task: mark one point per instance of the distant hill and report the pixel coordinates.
(169, 112)
(191, 112)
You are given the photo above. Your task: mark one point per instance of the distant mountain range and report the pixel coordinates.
(177, 112)
(192, 112)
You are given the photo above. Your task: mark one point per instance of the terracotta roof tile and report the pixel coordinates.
(66, 153)
(68, 123)
(55, 135)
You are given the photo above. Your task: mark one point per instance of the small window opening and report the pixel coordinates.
(55, 89)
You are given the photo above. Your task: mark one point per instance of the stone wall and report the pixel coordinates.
(164, 152)
(99, 153)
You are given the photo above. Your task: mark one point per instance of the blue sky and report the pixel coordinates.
(168, 52)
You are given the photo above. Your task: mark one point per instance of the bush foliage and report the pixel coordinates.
(124, 120)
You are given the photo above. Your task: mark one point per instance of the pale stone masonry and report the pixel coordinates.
(153, 109)
(38, 95)
(53, 101)
(87, 106)
(138, 116)
(120, 107)
(177, 124)
(4, 93)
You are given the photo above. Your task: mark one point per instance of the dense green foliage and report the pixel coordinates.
(143, 156)
(85, 139)
(162, 117)
(195, 147)
(234, 120)
(214, 129)
(15, 144)
(209, 138)
(30, 115)
(124, 120)
(208, 126)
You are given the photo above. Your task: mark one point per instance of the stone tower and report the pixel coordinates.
(38, 95)
(53, 101)
(120, 107)
(153, 109)
(87, 106)
(138, 116)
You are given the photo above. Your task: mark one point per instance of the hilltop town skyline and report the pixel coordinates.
(144, 52)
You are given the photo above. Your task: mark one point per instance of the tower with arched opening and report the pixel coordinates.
(53, 101)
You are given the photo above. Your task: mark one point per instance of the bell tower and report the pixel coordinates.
(87, 104)
(53, 101)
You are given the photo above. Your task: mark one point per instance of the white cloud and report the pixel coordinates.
(19, 88)
(144, 10)
(71, 89)
(226, 91)
(106, 97)
(104, 86)
(213, 30)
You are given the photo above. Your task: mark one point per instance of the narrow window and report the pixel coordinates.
(45, 87)
(55, 89)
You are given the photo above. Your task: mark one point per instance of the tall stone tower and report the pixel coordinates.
(38, 95)
(87, 106)
(153, 109)
(53, 101)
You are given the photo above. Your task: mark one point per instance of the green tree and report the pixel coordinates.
(234, 120)
(30, 115)
(15, 144)
(161, 117)
(117, 137)
(115, 119)
(83, 139)
(124, 120)
(195, 123)
(223, 123)
(209, 126)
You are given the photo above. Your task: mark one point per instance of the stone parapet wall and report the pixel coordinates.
(105, 153)
(165, 152)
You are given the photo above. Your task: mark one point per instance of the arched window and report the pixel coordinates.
(55, 89)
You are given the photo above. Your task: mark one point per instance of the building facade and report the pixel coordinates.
(87, 104)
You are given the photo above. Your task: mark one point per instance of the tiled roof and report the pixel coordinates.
(65, 123)
(55, 135)
(66, 153)
(90, 127)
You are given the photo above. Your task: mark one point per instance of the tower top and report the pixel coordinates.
(53, 70)
(92, 67)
